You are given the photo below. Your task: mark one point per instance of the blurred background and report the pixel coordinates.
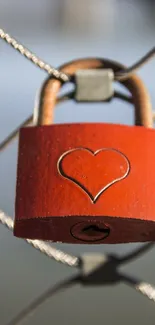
(59, 31)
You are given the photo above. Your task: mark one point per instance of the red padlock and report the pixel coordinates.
(87, 182)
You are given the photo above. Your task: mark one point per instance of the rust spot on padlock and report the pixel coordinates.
(56, 202)
(90, 231)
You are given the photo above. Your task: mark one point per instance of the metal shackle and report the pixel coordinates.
(136, 87)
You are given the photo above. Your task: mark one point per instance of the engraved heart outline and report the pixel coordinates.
(94, 153)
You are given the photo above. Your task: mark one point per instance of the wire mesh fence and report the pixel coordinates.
(107, 271)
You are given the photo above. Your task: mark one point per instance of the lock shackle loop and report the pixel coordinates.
(51, 87)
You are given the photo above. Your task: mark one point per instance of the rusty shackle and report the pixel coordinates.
(139, 93)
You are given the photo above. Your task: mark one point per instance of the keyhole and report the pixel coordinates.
(90, 232)
(94, 230)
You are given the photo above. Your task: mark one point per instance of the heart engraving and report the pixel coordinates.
(82, 170)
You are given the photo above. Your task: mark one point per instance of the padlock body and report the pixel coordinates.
(75, 181)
